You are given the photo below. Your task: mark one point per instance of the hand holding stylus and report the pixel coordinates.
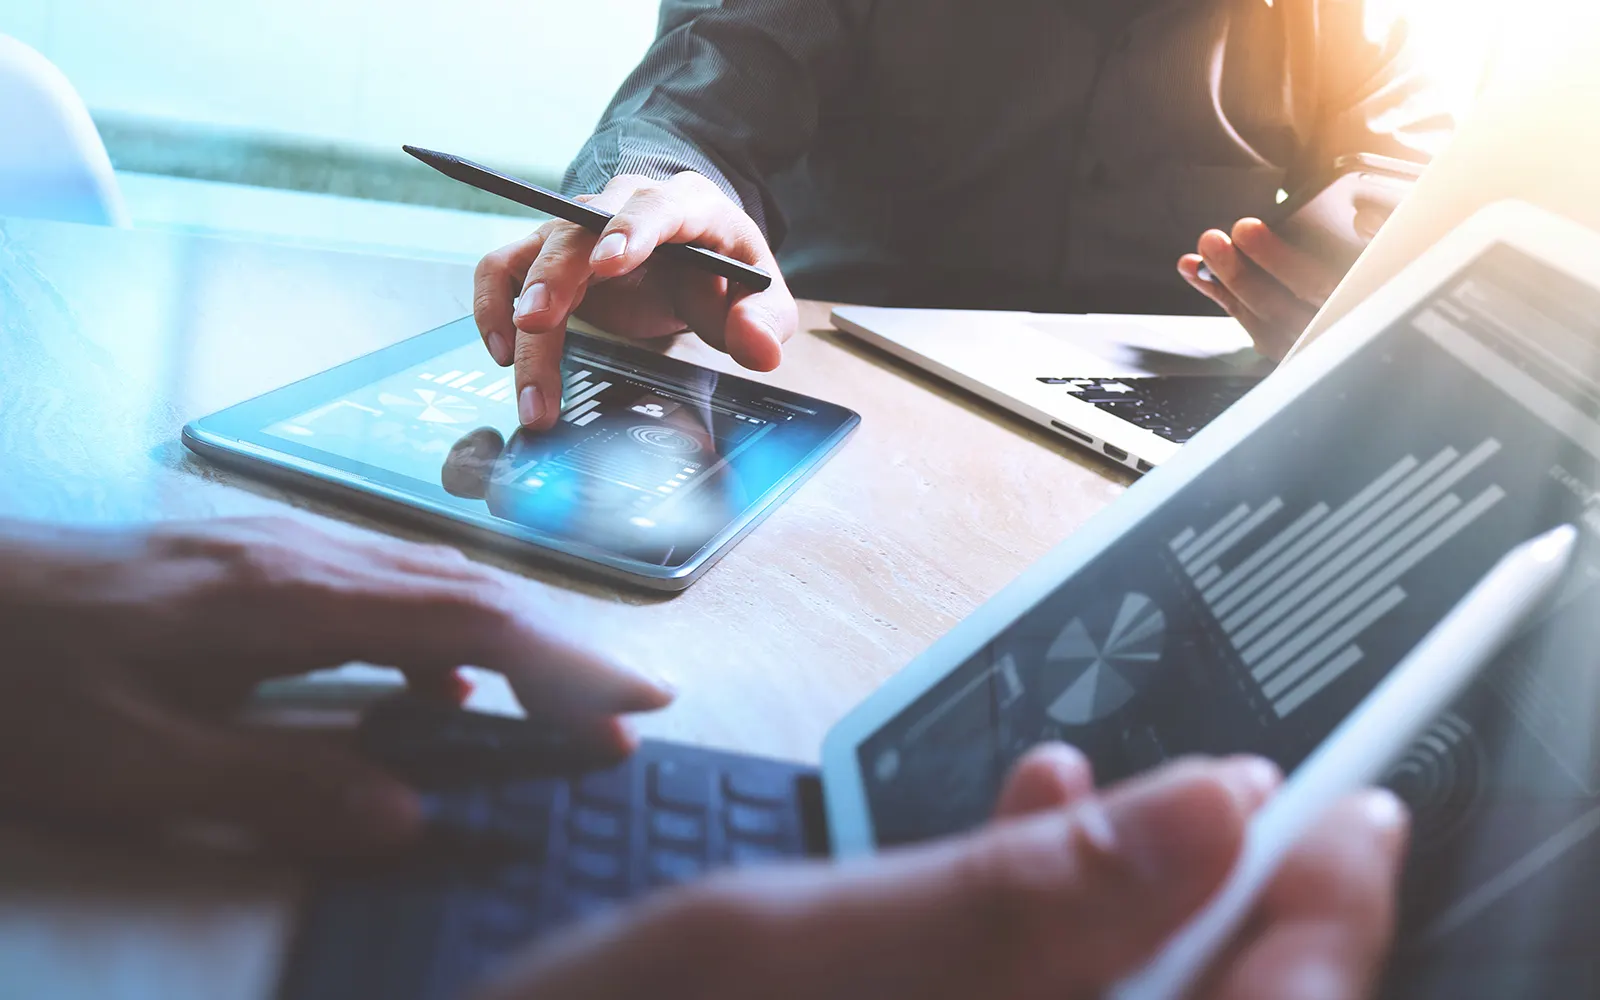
(525, 293)
(1068, 890)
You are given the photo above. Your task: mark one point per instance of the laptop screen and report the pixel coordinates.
(1257, 607)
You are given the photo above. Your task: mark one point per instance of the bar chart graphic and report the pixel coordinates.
(1295, 607)
(579, 407)
(499, 389)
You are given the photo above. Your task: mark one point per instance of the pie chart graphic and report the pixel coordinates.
(1104, 657)
(432, 406)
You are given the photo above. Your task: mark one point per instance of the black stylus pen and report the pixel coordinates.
(592, 219)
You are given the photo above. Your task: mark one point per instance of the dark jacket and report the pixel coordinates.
(1030, 154)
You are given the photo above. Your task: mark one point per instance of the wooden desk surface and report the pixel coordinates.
(111, 340)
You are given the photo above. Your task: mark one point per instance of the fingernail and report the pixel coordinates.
(385, 811)
(626, 734)
(1383, 810)
(1175, 830)
(634, 673)
(1062, 756)
(529, 406)
(461, 687)
(498, 350)
(535, 300)
(613, 245)
(1250, 779)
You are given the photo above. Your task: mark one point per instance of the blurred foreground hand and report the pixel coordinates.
(128, 652)
(1069, 890)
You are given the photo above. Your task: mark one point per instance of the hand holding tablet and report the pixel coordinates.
(1251, 593)
(1362, 748)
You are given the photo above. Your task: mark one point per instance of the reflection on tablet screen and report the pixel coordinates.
(639, 465)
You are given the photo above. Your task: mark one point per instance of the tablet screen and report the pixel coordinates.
(650, 460)
(1259, 605)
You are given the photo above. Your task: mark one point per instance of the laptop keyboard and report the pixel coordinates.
(1172, 406)
(517, 854)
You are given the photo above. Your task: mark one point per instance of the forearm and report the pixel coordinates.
(732, 91)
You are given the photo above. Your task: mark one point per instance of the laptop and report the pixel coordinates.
(1529, 137)
(1133, 388)
(1526, 138)
(1242, 598)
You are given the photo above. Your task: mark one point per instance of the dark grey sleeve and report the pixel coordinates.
(730, 89)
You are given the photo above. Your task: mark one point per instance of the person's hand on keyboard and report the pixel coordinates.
(1068, 892)
(524, 293)
(1271, 287)
(129, 651)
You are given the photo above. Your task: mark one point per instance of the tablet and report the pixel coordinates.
(1246, 596)
(1359, 752)
(655, 469)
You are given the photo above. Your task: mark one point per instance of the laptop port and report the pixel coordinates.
(1070, 432)
(1145, 466)
(1116, 453)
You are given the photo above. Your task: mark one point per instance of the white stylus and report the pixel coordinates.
(1358, 752)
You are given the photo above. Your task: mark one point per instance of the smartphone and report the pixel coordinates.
(1320, 217)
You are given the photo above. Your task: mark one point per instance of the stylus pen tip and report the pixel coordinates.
(1556, 545)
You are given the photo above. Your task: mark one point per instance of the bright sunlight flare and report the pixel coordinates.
(1457, 42)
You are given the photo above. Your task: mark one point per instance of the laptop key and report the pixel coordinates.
(458, 817)
(527, 828)
(526, 795)
(676, 827)
(667, 867)
(753, 823)
(594, 866)
(743, 853)
(759, 786)
(577, 903)
(681, 783)
(612, 787)
(588, 823)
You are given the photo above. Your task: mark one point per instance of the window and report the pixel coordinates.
(280, 92)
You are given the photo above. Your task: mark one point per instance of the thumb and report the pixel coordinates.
(296, 791)
(1091, 893)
